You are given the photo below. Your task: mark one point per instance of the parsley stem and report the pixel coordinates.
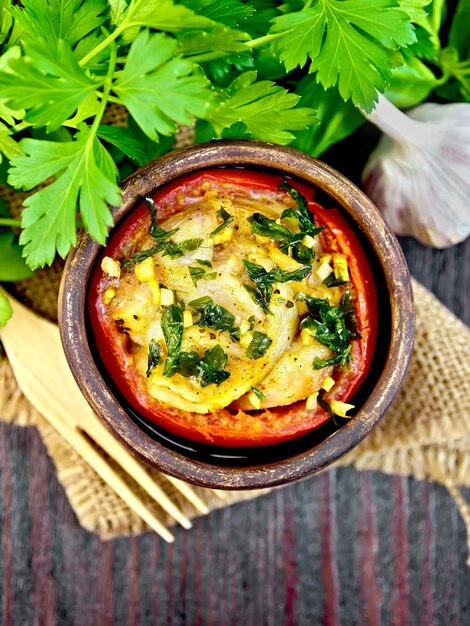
(7, 221)
(108, 81)
(103, 44)
(254, 43)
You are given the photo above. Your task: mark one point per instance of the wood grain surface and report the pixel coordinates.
(342, 548)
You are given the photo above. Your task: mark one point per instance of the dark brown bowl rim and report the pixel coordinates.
(72, 316)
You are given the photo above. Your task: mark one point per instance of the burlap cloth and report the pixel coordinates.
(425, 434)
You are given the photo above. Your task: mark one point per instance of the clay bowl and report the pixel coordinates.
(273, 465)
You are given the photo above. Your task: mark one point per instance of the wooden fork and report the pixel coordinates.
(35, 352)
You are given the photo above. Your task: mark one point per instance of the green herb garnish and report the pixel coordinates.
(342, 358)
(261, 294)
(207, 370)
(332, 281)
(300, 212)
(259, 394)
(175, 250)
(154, 356)
(266, 227)
(204, 263)
(215, 316)
(155, 230)
(200, 303)
(259, 345)
(226, 220)
(172, 327)
(198, 273)
(329, 325)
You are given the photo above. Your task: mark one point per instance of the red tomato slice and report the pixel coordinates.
(229, 427)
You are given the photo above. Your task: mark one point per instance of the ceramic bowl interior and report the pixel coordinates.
(235, 468)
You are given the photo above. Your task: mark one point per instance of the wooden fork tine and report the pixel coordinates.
(134, 468)
(84, 448)
(188, 492)
(47, 400)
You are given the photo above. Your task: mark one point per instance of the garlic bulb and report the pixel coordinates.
(419, 174)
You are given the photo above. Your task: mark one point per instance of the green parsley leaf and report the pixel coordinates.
(264, 280)
(226, 218)
(267, 110)
(85, 173)
(200, 303)
(155, 230)
(202, 42)
(12, 264)
(217, 317)
(229, 12)
(125, 140)
(160, 89)
(198, 273)
(117, 10)
(8, 146)
(47, 82)
(175, 250)
(266, 227)
(5, 309)
(204, 262)
(164, 15)
(208, 370)
(350, 43)
(172, 327)
(154, 356)
(327, 323)
(259, 345)
(70, 21)
(258, 393)
(261, 296)
(318, 363)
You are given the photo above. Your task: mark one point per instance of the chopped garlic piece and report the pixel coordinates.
(254, 400)
(259, 259)
(156, 292)
(244, 327)
(340, 265)
(111, 267)
(223, 237)
(261, 239)
(187, 319)
(340, 408)
(306, 336)
(109, 294)
(302, 307)
(167, 297)
(324, 270)
(311, 402)
(145, 271)
(234, 264)
(328, 383)
(281, 260)
(245, 339)
(308, 241)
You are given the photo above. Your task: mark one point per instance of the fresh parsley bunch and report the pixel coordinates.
(262, 69)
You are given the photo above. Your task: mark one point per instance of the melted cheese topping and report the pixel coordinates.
(284, 373)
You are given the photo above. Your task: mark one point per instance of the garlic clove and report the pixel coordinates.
(419, 174)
